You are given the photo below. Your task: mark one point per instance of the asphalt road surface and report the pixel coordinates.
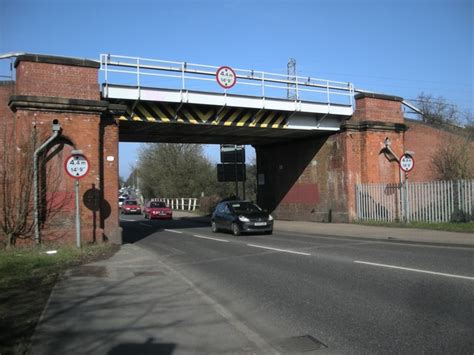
(325, 294)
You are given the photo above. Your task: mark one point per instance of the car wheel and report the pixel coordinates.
(214, 227)
(235, 229)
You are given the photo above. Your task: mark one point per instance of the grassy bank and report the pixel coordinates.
(27, 275)
(450, 227)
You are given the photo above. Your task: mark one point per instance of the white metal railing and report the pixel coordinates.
(180, 204)
(144, 73)
(415, 201)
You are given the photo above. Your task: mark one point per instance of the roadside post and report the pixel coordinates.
(77, 166)
(406, 163)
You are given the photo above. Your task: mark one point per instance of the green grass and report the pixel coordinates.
(450, 227)
(27, 275)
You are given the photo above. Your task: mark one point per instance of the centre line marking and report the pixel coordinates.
(276, 249)
(173, 231)
(217, 239)
(415, 270)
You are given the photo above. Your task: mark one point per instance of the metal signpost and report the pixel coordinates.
(406, 163)
(77, 166)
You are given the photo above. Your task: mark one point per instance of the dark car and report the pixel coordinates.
(240, 217)
(130, 206)
(157, 209)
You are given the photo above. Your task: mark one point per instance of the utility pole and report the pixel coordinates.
(291, 91)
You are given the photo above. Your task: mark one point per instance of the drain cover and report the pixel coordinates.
(148, 273)
(301, 344)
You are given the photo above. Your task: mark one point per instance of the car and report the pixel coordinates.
(241, 217)
(121, 201)
(157, 210)
(130, 206)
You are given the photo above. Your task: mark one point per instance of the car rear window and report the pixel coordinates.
(134, 203)
(157, 205)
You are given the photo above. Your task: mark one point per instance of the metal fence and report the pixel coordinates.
(146, 72)
(436, 201)
(180, 204)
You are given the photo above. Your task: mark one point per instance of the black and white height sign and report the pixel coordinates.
(77, 166)
(406, 162)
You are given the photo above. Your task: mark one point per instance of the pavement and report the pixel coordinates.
(133, 303)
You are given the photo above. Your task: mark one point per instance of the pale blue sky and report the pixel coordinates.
(402, 47)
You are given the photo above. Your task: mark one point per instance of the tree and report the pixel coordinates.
(437, 110)
(175, 170)
(16, 188)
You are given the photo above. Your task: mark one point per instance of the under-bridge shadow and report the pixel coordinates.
(139, 228)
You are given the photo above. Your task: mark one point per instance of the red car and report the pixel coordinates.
(130, 206)
(158, 210)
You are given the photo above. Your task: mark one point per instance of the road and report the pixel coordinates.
(325, 294)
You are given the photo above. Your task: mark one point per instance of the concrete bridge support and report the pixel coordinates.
(315, 180)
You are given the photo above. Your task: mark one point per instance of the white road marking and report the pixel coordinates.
(173, 231)
(276, 249)
(217, 239)
(128, 220)
(414, 270)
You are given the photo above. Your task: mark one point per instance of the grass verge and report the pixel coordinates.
(450, 227)
(27, 276)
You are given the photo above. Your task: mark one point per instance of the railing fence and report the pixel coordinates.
(180, 204)
(435, 201)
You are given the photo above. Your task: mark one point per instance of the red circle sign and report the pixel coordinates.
(226, 77)
(77, 166)
(406, 162)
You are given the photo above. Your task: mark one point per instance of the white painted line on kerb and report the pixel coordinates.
(276, 249)
(217, 239)
(415, 270)
(173, 231)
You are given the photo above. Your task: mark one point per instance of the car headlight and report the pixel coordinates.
(243, 219)
(127, 208)
(270, 218)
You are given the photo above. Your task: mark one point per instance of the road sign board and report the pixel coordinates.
(229, 172)
(406, 162)
(226, 77)
(76, 166)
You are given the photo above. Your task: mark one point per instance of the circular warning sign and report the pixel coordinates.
(77, 166)
(406, 162)
(226, 77)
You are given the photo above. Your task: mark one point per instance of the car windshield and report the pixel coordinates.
(133, 203)
(157, 205)
(121, 199)
(245, 207)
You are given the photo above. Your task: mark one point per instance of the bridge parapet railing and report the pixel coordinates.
(163, 74)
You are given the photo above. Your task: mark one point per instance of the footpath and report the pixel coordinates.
(132, 303)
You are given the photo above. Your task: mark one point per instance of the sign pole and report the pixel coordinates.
(78, 215)
(77, 166)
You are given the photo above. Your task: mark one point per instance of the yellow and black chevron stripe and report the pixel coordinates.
(162, 112)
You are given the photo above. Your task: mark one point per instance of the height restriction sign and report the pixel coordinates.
(77, 166)
(226, 77)
(406, 162)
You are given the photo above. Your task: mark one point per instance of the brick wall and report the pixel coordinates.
(57, 80)
(70, 92)
(425, 140)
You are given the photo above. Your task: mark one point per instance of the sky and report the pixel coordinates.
(398, 47)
